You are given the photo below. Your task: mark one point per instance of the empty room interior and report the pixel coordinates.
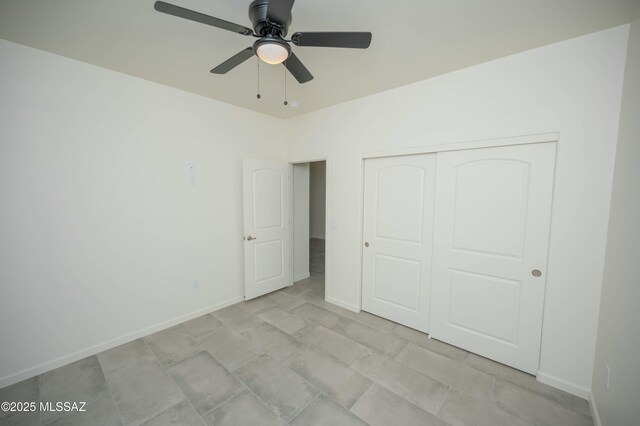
(272, 212)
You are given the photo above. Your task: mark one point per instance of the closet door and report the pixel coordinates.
(398, 224)
(491, 233)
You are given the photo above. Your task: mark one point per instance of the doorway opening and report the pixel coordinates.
(309, 227)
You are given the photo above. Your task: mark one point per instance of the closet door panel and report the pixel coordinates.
(398, 224)
(491, 231)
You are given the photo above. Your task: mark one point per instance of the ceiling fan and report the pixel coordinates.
(271, 20)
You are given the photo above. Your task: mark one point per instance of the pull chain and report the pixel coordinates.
(258, 95)
(285, 84)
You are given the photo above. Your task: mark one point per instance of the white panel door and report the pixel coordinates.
(267, 211)
(491, 232)
(397, 229)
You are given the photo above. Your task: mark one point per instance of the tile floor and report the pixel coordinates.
(289, 357)
(316, 256)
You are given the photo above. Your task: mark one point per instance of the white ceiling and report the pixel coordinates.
(412, 40)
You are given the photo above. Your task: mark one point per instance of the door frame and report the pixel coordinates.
(327, 222)
(430, 149)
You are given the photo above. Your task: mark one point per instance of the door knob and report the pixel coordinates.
(249, 238)
(536, 273)
(366, 244)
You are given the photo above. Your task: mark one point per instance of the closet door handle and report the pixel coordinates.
(366, 244)
(536, 273)
(249, 238)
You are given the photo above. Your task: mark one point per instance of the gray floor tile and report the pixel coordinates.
(336, 345)
(284, 391)
(422, 340)
(229, 348)
(325, 412)
(124, 356)
(21, 419)
(342, 384)
(285, 321)
(537, 409)
(312, 283)
(202, 325)
(274, 341)
(79, 381)
(181, 414)
(24, 391)
(582, 406)
(463, 410)
(237, 318)
(296, 290)
(284, 300)
(205, 382)
(316, 255)
(367, 319)
(521, 379)
(384, 343)
(381, 407)
(172, 345)
(316, 267)
(445, 370)
(313, 295)
(243, 409)
(342, 312)
(142, 391)
(101, 412)
(426, 393)
(318, 315)
(256, 305)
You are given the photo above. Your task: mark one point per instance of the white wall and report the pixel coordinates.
(101, 233)
(618, 344)
(574, 88)
(318, 199)
(300, 221)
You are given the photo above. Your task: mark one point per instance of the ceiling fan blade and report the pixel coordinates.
(279, 11)
(233, 61)
(352, 40)
(297, 69)
(181, 12)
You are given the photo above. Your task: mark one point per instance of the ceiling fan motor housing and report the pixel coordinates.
(261, 24)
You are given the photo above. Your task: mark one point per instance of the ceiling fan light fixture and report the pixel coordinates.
(272, 51)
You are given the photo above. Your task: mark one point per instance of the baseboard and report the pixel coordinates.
(563, 385)
(342, 304)
(95, 349)
(594, 410)
(301, 277)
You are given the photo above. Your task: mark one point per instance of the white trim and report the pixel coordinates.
(563, 385)
(95, 349)
(340, 303)
(458, 146)
(328, 215)
(292, 267)
(360, 241)
(316, 160)
(594, 409)
(301, 277)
